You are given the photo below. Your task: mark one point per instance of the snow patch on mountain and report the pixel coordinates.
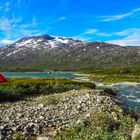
(44, 41)
(38, 44)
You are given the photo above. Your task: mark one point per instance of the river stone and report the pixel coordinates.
(136, 133)
(40, 105)
(42, 138)
(87, 115)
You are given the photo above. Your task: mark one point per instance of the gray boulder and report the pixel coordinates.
(136, 133)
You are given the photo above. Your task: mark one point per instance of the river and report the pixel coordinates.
(69, 75)
(129, 95)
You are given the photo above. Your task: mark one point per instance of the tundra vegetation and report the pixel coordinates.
(17, 89)
(115, 74)
(97, 126)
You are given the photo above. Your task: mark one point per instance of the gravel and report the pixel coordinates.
(34, 117)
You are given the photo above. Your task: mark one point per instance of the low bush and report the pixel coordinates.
(52, 99)
(110, 91)
(17, 89)
(100, 126)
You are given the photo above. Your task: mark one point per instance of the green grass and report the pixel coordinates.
(17, 89)
(100, 126)
(115, 78)
(114, 75)
(52, 99)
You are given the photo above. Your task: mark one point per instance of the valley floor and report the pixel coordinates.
(114, 75)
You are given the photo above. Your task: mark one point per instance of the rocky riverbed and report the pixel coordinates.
(45, 116)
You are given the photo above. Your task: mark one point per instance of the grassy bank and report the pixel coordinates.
(115, 78)
(114, 75)
(17, 89)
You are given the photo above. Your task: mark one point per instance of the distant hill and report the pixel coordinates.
(43, 53)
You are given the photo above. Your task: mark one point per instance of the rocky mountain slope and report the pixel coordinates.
(34, 44)
(56, 53)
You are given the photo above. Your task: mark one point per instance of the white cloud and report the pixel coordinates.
(131, 37)
(30, 25)
(136, 10)
(16, 20)
(12, 28)
(5, 42)
(95, 32)
(115, 17)
(5, 24)
(82, 38)
(120, 16)
(104, 34)
(86, 35)
(91, 31)
(27, 32)
(128, 32)
(62, 18)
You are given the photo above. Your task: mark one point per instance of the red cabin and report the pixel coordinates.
(2, 79)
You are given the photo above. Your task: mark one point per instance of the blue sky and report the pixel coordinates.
(113, 21)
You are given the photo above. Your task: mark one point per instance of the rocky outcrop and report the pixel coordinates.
(36, 117)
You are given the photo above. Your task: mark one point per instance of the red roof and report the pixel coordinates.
(2, 79)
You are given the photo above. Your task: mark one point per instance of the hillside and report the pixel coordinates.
(43, 53)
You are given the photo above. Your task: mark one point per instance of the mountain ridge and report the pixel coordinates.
(45, 52)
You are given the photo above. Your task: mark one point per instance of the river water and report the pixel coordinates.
(70, 75)
(129, 95)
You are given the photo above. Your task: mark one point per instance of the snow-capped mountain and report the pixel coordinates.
(45, 41)
(36, 43)
(42, 53)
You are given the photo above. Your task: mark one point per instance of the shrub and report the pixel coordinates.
(100, 126)
(21, 88)
(52, 99)
(109, 91)
(18, 136)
